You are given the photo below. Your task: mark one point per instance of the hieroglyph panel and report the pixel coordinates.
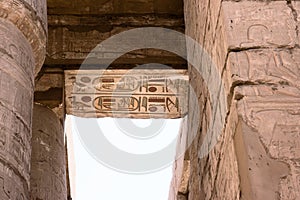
(272, 139)
(127, 93)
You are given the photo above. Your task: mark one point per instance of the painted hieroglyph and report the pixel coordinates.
(127, 93)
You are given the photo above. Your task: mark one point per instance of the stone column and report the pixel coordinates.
(22, 51)
(257, 156)
(48, 163)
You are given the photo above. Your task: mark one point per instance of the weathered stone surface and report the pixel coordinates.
(227, 177)
(256, 42)
(295, 7)
(30, 17)
(105, 23)
(16, 97)
(179, 164)
(49, 86)
(23, 29)
(179, 185)
(127, 93)
(79, 26)
(205, 169)
(183, 188)
(237, 26)
(102, 7)
(196, 21)
(39, 8)
(198, 103)
(251, 24)
(48, 161)
(262, 66)
(270, 129)
(216, 175)
(181, 197)
(78, 36)
(49, 78)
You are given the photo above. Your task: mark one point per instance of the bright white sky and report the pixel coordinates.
(93, 181)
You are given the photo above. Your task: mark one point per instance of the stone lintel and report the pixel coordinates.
(126, 93)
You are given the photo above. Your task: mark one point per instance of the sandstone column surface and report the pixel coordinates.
(48, 170)
(23, 31)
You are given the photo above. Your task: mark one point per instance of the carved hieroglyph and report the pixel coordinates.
(127, 93)
(271, 131)
(16, 97)
(30, 17)
(23, 30)
(48, 163)
(259, 24)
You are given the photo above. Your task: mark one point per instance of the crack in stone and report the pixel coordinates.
(279, 47)
(295, 14)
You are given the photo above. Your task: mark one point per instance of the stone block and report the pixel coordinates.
(269, 126)
(195, 19)
(109, 7)
(295, 6)
(227, 175)
(253, 24)
(127, 93)
(264, 67)
(70, 42)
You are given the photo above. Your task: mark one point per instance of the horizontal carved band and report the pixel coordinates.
(127, 93)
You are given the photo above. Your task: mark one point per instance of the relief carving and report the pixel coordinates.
(257, 34)
(17, 51)
(48, 164)
(266, 66)
(16, 86)
(290, 185)
(274, 113)
(30, 18)
(259, 24)
(124, 93)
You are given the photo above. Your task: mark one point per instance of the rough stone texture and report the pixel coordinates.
(51, 78)
(216, 175)
(30, 16)
(23, 29)
(183, 187)
(126, 93)
(76, 27)
(251, 24)
(271, 143)
(265, 67)
(73, 25)
(254, 45)
(295, 6)
(181, 197)
(181, 167)
(48, 164)
(49, 86)
(75, 33)
(16, 97)
(103, 7)
(212, 176)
